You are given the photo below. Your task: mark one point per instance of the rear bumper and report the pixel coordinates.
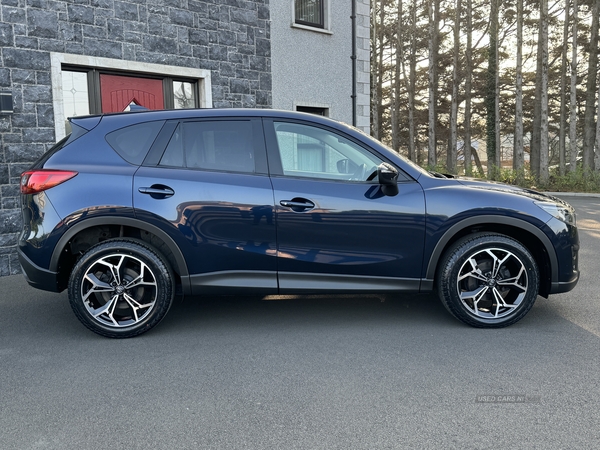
(36, 276)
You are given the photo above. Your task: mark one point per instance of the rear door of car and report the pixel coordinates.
(205, 182)
(336, 229)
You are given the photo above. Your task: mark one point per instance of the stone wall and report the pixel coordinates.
(231, 38)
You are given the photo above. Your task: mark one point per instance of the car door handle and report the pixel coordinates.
(297, 204)
(157, 191)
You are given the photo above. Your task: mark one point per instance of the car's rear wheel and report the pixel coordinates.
(488, 280)
(121, 288)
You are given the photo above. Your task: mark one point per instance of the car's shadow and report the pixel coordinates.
(307, 310)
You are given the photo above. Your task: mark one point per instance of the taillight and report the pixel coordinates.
(34, 181)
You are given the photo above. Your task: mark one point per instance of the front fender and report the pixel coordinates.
(480, 220)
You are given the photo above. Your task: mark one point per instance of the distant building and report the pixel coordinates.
(61, 59)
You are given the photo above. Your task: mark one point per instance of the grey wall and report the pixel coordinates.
(314, 68)
(231, 39)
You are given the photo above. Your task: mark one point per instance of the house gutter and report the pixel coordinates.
(353, 58)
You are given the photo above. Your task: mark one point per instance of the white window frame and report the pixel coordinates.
(57, 60)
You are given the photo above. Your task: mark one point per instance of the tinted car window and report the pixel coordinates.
(308, 151)
(223, 145)
(133, 142)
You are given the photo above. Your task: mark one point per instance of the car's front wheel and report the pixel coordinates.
(488, 280)
(121, 288)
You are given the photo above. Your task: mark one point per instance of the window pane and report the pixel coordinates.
(132, 143)
(310, 12)
(184, 95)
(313, 110)
(75, 95)
(308, 151)
(225, 146)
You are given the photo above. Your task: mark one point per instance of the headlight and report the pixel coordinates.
(561, 212)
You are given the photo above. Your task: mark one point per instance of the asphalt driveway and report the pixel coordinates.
(335, 372)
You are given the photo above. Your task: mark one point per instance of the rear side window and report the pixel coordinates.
(224, 145)
(133, 142)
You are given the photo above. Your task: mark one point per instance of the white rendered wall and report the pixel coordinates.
(313, 67)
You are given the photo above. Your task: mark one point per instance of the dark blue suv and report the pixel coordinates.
(132, 209)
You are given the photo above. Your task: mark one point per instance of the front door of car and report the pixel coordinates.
(206, 183)
(336, 228)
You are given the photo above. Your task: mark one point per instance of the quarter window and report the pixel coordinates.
(224, 146)
(310, 12)
(308, 151)
(133, 142)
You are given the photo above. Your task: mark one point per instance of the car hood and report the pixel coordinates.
(501, 187)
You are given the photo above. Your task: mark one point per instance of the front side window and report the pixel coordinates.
(313, 152)
(310, 12)
(223, 146)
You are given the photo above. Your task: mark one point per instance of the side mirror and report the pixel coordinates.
(387, 176)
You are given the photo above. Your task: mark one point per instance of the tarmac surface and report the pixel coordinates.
(319, 372)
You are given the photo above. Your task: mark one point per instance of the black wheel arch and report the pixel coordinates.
(530, 236)
(172, 252)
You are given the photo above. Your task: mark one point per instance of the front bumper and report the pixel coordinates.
(559, 287)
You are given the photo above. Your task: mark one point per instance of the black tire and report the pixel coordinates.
(121, 288)
(481, 294)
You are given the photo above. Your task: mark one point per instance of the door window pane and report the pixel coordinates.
(224, 145)
(308, 151)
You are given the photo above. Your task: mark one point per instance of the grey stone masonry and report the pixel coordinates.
(229, 38)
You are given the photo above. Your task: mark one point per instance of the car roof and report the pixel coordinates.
(169, 114)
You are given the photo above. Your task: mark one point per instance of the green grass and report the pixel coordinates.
(578, 181)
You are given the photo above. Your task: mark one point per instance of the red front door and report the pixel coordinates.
(119, 92)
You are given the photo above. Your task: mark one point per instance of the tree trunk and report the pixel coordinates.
(498, 146)
(380, 70)
(431, 153)
(478, 163)
(573, 153)
(377, 69)
(468, 83)
(399, 58)
(597, 159)
(544, 148)
(589, 126)
(534, 160)
(491, 91)
(412, 136)
(518, 155)
(452, 153)
(563, 94)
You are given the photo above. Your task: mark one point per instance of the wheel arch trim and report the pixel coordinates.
(495, 220)
(125, 221)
